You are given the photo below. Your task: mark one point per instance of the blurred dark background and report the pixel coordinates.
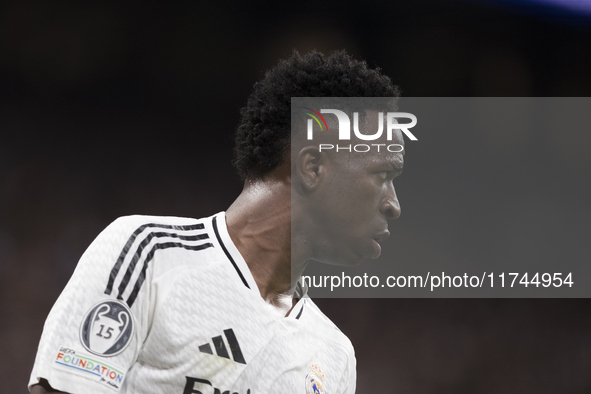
(110, 109)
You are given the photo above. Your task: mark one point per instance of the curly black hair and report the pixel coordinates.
(263, 136)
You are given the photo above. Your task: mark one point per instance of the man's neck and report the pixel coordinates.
(259, 223)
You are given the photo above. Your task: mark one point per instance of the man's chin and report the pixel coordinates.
(355, 259)
(371, 251)
(352, 255)
(351, 260)
(377, 250)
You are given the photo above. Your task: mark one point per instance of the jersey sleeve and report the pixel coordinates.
(94, 332)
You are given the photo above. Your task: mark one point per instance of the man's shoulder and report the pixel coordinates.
(139, 249)
(322, 325)
(149, 221)
(131, 227)
(140, 236)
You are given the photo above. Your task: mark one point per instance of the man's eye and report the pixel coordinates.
(383, 175)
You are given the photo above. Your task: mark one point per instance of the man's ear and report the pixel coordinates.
(310, 166)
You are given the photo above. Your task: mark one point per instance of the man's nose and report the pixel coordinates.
(390, 207)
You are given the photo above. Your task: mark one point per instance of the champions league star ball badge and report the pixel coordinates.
(315, 380)
(107, 328)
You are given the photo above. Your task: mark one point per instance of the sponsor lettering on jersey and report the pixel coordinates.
(195, 385)
(69, 360)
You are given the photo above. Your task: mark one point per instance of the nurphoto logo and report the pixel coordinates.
(344, 133)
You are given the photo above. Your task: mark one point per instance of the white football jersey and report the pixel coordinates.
(168, 305)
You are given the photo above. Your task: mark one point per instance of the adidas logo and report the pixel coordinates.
(221, 349)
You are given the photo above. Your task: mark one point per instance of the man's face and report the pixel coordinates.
(355, 200)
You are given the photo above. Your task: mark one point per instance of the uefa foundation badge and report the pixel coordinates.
(107, 328)
(315, 380)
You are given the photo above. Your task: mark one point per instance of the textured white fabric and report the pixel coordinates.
(199, 323)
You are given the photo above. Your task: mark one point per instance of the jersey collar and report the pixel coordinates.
(223, 238)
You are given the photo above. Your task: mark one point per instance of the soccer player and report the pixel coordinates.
(179, 305)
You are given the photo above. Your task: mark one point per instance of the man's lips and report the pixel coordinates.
(381, 236)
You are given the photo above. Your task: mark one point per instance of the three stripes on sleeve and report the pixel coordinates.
(184, 237)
